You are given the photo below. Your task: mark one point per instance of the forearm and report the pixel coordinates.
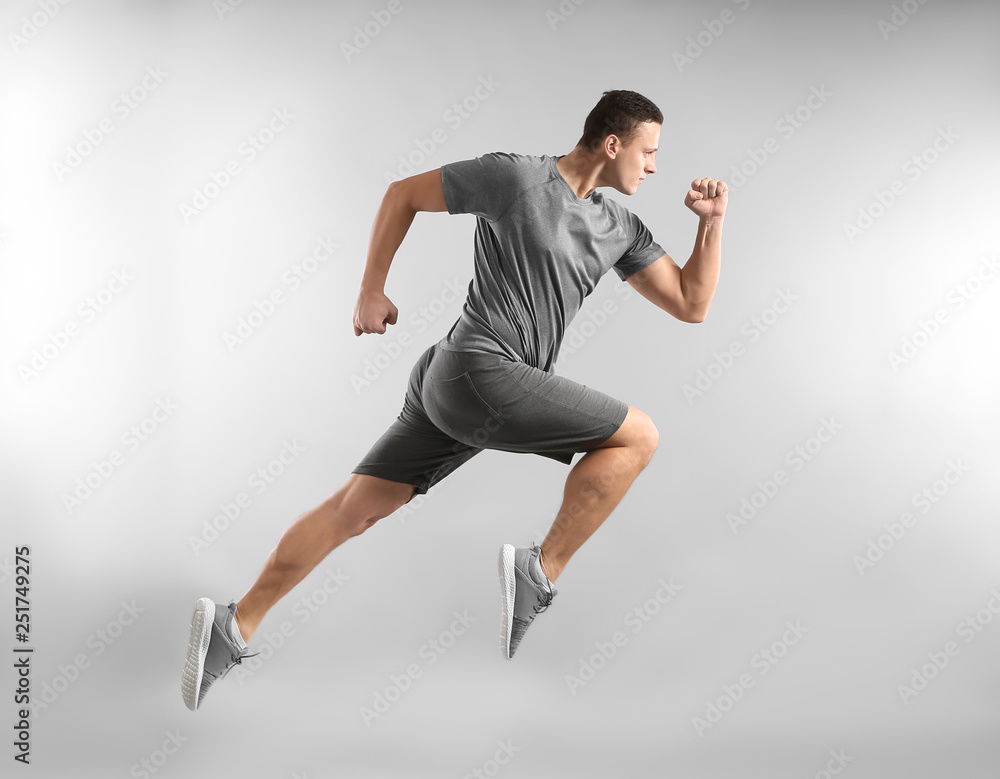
(392, 222)
(700, 274)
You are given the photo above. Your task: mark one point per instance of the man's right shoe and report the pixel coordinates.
(214, 647)
(525, 592)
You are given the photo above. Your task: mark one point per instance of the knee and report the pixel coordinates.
(646, 439)
(368, 500)
(361, 526)
(652, 440)
(363, 521)
(360, 522)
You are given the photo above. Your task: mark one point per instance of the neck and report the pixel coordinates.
(582, 171)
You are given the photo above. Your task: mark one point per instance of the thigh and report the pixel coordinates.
(372, 496)
(413, 450)
(495, 403)
(637, 429)
(452, 401)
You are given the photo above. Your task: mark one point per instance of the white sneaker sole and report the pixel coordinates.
(201, 634)
(506, 570)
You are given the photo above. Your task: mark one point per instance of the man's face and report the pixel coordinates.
(636, 159)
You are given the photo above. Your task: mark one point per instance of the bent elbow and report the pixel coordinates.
(688, 317)
(696, 312)
(399, 197)
(694, 315)
(395, 191)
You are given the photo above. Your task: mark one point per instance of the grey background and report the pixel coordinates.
(299, 713)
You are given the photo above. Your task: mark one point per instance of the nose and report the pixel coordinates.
(650, 165)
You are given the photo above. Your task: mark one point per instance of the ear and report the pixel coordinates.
(612, 145)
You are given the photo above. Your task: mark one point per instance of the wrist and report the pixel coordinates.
(711, 222)
(372, 286)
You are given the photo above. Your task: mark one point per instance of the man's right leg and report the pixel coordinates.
(412, 451)
(355, 507)
(413, 448)
(217, 640)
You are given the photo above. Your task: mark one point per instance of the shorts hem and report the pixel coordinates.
(420, 487)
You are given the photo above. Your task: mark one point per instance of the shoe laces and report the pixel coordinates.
(235, 660)
(538, 608)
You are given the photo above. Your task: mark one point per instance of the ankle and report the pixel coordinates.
(549, 568)
(246, 626)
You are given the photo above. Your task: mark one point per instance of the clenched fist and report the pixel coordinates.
(708, 198)
(373, 312)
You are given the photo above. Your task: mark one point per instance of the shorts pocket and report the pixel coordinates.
(456, 406)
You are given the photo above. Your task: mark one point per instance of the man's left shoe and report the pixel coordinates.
(525, 592)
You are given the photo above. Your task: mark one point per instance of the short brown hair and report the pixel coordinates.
(618, 112)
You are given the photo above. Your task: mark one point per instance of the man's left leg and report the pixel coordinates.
(516, 407)
(488, 401)
(595, 486)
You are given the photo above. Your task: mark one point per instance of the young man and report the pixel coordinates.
(544, 238)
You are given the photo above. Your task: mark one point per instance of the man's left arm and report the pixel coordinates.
(686, 293)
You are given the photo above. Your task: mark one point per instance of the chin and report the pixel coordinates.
(627, 189)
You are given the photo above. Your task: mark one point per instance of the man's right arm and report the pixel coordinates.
(402, 200)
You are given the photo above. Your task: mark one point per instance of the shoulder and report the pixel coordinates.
(507, 170)
(625, 218)
(501, 163)
(513, 158)
(489, 184)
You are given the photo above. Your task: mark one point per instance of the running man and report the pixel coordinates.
(544, 238)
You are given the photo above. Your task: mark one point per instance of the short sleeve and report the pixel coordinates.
(642, 250)
(484, 186)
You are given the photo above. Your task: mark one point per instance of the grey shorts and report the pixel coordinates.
(459, 403)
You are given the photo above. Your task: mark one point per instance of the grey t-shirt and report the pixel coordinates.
(539, 251)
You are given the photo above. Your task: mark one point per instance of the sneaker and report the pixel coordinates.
(215, 646)
(525, 592)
